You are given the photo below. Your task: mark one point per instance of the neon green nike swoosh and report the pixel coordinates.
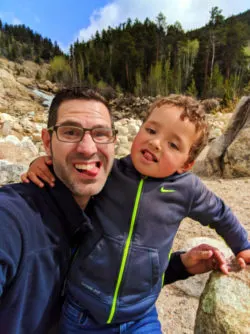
(163, 190)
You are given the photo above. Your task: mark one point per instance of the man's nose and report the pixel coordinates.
(87, 145)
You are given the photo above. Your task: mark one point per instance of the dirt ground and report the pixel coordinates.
(177, 309)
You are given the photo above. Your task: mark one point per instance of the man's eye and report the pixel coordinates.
(102, 133)
(150, 131)
(70, 132)
(173, 146)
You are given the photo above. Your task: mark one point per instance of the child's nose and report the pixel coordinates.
(155, 144)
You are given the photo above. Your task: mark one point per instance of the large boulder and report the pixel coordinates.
(224, 306)
(229, 154)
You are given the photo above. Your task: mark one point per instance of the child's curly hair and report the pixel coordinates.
(194, 111)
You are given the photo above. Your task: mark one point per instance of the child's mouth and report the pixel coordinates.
(149, 156)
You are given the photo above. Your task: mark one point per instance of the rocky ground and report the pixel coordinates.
(178, 302)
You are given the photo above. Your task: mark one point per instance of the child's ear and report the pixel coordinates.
(46, 141)
(187, 166)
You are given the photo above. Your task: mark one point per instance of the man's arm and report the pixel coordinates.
(10, 240)
(197, 260)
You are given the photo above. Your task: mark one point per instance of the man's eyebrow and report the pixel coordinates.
(70, 123)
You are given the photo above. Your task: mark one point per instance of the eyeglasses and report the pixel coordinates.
(75, 134)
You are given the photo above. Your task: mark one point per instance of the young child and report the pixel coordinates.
(116, 276)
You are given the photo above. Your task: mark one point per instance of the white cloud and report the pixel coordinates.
(10, 17)
(16, 21)
(190, 13)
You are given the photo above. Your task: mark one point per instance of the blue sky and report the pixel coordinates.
(66, 20)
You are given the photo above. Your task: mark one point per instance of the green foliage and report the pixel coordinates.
(60, 70)
(101, 84)
(18, 42)
(216, 85)
(138, 91)
(192, 90)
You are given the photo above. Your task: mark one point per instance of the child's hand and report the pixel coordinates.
(243, 258)
(204, 258)
(38, 171)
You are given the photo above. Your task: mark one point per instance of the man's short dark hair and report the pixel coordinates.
(74, 93)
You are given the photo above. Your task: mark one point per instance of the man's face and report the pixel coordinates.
(163, 143)
(83, 167)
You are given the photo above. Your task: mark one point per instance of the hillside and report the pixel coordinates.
(147, 58)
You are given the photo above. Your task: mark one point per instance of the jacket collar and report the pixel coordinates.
(73, 218)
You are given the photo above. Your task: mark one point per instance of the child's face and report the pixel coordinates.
(163, 143)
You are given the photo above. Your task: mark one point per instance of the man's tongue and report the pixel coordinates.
(147, 155)
(90, 170)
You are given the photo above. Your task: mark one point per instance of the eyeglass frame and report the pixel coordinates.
(55, 127)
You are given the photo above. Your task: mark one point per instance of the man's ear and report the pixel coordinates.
(187, 166)
(46, 137)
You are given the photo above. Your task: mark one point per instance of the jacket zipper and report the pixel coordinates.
(125, 252)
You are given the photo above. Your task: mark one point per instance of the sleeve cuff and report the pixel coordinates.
(176, 269)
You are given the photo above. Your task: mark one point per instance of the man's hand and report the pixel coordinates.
(243, 258)
(39, 172)
(204, 258)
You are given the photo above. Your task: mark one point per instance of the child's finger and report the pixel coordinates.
(220, 261)
(48, 160)
(24, 178)
(46, 176)
(33, 177)
(241, 262)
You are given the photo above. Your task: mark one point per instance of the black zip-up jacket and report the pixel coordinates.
(117, 274)
(37, 229)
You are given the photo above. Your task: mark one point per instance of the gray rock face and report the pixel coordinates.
(229, 154)
(224, 306)
(10, 172)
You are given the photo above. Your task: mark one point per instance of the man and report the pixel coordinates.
(39, 228)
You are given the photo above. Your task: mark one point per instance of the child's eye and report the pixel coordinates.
(150, 131)
(173, 146)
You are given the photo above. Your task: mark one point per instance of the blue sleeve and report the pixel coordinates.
(210, 210)
(10, 243)
(176, 270)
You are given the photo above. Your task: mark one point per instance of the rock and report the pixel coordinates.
(28, 82)
(194, 285)
(229, 154)
(210, 105)
(224, 306)
(15, 97)
(10, 172)
(17, 152)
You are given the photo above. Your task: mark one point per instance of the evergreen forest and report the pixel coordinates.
(147, 58)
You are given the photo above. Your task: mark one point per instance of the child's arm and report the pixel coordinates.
(38, 172)
(210, 210)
